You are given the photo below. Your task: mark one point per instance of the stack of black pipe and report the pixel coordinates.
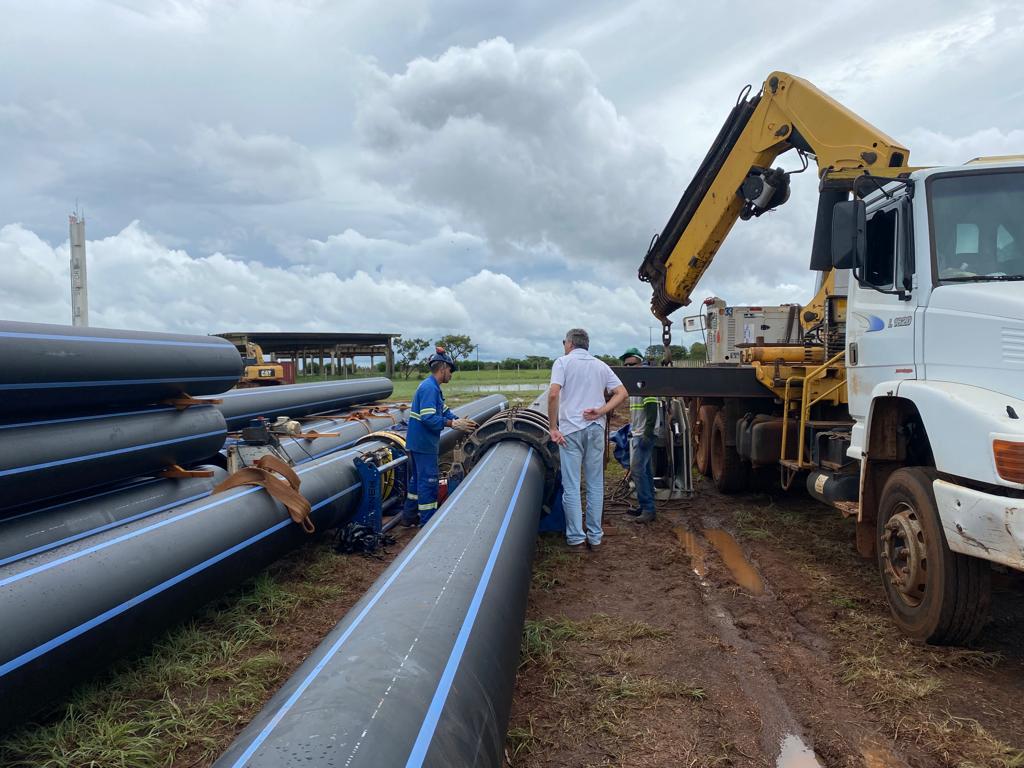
(69, 615)
(97, 553)
(84, 408)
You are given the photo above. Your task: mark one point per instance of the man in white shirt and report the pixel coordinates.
(577, 412)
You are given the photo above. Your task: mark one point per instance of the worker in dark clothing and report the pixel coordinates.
(643, 418)
(428, 417)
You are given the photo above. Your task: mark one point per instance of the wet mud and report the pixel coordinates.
(762, 605)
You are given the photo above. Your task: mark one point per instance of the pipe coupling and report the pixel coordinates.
(515, 423)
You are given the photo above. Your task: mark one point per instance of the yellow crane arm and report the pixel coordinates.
(736, 180)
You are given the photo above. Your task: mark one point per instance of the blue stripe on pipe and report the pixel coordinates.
(133, 518)
(113, 382)
(102, 454)
(85, 418)
(79, 499)
(113, 340)
(315, 456)
(131, 535)
(117, 610)
(106, 492)
(406, 557)
(291, 407)
(298, 387)
(444, 685)
(71, 634)
(99, 529)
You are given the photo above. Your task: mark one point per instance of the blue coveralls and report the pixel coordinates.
(427, 416)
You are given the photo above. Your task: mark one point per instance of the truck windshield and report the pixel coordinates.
(978, 225)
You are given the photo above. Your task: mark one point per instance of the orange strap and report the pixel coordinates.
(265, 473)
(183, 401)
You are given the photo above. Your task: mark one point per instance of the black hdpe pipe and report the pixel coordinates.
(420, 672)
(55, 457)
(67, 612)
(41, 530)
(32, 533)
(61, 369)
(339, 433)
(240, 406)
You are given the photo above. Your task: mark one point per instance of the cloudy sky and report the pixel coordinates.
(432, 167)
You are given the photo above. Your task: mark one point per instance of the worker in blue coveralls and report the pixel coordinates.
(428, 417)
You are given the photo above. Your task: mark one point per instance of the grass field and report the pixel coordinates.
(461, 389)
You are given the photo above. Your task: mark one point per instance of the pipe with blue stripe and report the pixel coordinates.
(53, 458)
(66, 612)
(51, 369)
(240, 406)
(420, 672)
(31, 533)
(41, 530)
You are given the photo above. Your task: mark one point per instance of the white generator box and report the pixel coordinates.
(728, 326)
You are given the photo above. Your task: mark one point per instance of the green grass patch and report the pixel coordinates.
(531, 379)
(546, 641)
(641, 689)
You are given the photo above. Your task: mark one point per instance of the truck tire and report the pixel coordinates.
(934, 594)
(702, 438)
(727, 468)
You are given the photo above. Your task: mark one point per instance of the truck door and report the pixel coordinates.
(882, 307)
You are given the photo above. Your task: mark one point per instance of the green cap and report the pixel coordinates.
(631, 352)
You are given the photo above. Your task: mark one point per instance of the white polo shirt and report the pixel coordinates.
(583, 379)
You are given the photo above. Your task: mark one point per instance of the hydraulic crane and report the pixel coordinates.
(901, 399)
(736, 181)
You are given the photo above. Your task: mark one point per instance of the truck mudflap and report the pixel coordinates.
(982, 524)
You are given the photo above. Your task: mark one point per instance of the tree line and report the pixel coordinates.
(412, 353)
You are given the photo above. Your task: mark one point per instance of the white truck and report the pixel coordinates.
(902, 401)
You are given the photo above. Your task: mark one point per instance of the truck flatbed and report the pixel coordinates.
(707, 381)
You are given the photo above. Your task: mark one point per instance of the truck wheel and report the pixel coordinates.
(727, 469)
(935, 595)
(702, 438)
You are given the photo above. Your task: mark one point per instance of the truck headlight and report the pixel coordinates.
(1009, 458)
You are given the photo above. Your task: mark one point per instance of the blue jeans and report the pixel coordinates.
(642, 471)
(421, 493)
(583, 452)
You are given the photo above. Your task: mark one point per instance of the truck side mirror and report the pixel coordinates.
(849, 240)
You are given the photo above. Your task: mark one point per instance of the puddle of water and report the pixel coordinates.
(693, 547)
(743, 573)
(498, 387)
(732, 555)
(793, 753)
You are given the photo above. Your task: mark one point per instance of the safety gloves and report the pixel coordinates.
(464, 425)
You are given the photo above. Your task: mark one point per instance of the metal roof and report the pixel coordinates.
(289, 341)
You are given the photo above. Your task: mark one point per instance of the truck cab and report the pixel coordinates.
(935, 378)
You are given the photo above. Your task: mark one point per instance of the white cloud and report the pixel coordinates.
(386, 144)
(259, 168)
(137, 282)
(444, 257)
(519, 143)
(935, 148)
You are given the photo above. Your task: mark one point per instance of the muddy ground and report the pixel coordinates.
(745, 631)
